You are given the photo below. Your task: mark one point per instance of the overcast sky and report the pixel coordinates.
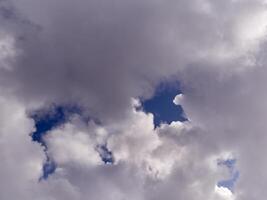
(104, 58)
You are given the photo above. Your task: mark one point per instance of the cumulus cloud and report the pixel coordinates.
(68, 145)
(157, 161)
(146, 160)
(100, 55)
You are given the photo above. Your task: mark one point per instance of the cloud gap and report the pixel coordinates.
(105, 154)
(229, 183)
(161, 104)
(45, 120)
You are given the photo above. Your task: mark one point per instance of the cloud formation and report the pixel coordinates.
(102, 56)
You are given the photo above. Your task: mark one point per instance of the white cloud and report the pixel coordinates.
(224, 193)
(67, 144)
(178, 98)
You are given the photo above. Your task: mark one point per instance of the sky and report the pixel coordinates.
(136, 100)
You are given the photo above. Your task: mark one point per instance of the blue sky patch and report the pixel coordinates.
(49, 167)
(105, 154)
(46, 120)
(234, 174)
(161, 104)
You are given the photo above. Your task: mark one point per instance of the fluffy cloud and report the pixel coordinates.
(161, 162)
(69, 145)
(153, 163)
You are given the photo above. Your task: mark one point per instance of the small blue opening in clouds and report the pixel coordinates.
(49, 167)
(234, 174)
(45, 120)
(48, 119)
(161, 104)
(105, 154)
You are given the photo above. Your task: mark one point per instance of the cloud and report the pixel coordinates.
(67, 145)
(99, 55)
(178, 98)
(155, 161)
(224, 193)
(92, 52)
(21, 160)
(157, 165)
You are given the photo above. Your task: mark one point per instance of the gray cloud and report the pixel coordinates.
(100, 55)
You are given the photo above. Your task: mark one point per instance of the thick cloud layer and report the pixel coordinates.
(102, 56)
(102, 53)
